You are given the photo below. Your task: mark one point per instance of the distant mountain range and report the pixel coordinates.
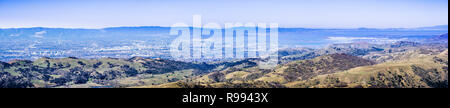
(288, 36)
(157, 29)
(440, 27)
(440, 38)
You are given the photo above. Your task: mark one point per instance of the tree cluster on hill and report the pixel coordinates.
(9, 81)
(69, 71)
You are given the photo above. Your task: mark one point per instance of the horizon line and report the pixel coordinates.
(222, 28)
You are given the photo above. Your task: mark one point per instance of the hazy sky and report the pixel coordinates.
(288, 13)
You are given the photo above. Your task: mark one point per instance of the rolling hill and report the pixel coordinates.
(251, 76)
(106, 72)
(305, 69)
(421, 72)
(331, 71)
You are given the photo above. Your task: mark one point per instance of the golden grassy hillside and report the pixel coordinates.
(420, 72)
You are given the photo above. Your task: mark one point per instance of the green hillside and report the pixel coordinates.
(107, 72)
